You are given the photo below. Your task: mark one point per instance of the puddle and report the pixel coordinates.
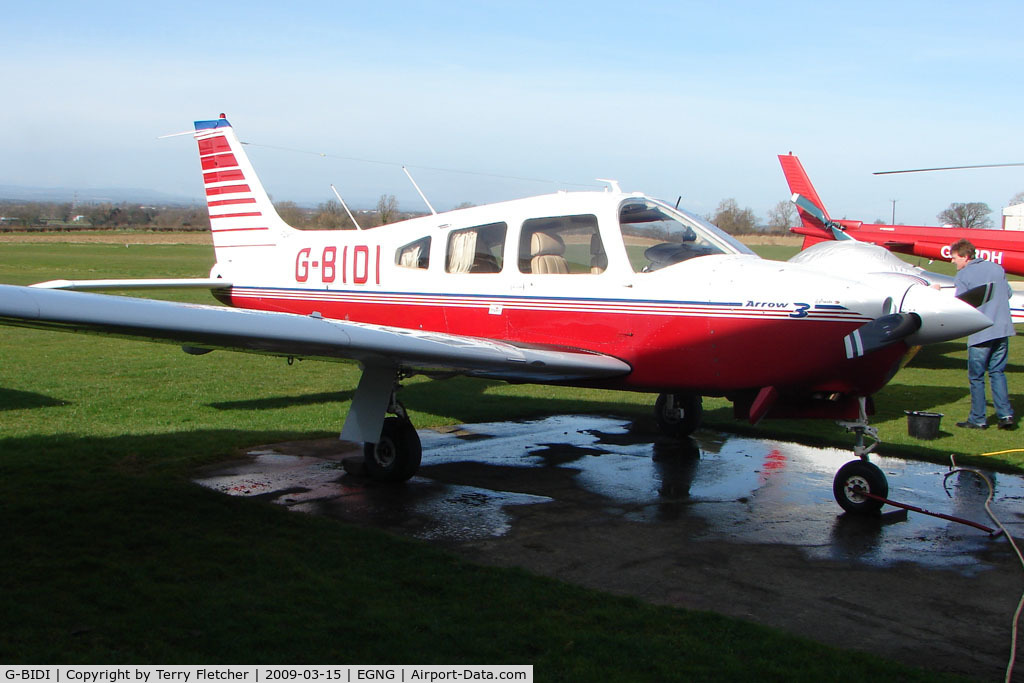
(745, 490)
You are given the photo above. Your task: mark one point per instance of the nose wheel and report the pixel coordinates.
(678, 415)
(859, 477)
(856, 478)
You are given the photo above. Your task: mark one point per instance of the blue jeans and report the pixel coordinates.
(988, 357)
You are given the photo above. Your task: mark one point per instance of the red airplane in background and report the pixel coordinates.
(1005, 247)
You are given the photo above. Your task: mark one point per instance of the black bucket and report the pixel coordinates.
(923, 425)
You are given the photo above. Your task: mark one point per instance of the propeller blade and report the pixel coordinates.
(947, 168)
(880, 332)
(810, 207)
(977, 296)
(819, 214)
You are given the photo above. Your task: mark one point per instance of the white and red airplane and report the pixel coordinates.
(598, 289)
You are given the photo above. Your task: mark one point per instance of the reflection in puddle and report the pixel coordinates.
(421, 507)
(743, 489)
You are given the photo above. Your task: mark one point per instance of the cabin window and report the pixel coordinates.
(414, 255)
(657, 236)
(476, 250)
(564, 245)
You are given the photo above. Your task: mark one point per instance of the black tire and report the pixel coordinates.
(855, 477)
(396, 456)
(684, 417)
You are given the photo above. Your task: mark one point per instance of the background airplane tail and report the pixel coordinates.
(243, 220)
(814, 229)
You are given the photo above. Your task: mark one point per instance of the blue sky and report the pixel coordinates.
(670, 98)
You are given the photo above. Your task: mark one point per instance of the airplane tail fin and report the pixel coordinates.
(816, 223)
(242, 218)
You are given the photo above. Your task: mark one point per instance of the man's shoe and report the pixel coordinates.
(1006, 422)
(972, 425)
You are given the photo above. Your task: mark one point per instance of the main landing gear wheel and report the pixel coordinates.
(853, 480)
(678, 415)
(396, 456)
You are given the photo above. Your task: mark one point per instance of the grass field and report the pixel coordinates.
(109, 554)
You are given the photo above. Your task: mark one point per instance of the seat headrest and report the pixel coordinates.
(546, 244)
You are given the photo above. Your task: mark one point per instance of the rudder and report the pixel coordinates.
(243, 220)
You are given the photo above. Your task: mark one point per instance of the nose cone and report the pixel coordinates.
(943, 317)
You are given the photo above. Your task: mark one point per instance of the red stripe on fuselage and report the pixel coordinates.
(714, 354)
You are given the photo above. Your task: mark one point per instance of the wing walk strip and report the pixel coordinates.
(682, 308)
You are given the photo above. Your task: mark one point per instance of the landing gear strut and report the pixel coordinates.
(678, 415)
(391, 446)
(858, 477)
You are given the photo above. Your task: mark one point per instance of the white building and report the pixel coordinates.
(1013, 217)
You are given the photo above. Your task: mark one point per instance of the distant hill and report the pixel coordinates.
(114, 195)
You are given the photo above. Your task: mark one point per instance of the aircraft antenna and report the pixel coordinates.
(423, 196)
(345, 206)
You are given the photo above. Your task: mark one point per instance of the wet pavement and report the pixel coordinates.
(716, 519)
(744, 489)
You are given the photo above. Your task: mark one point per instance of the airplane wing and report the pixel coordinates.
(204, 328)
(150, 283)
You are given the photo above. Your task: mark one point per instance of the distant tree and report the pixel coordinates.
(290, 213)
(387, 208)
(1017, 199)
(331, 216)
(185, 218)
(967, 215)
(734, 220)
(116, 215)
(60, 212)
(25, 215)
(781, 217)
(469, 205)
